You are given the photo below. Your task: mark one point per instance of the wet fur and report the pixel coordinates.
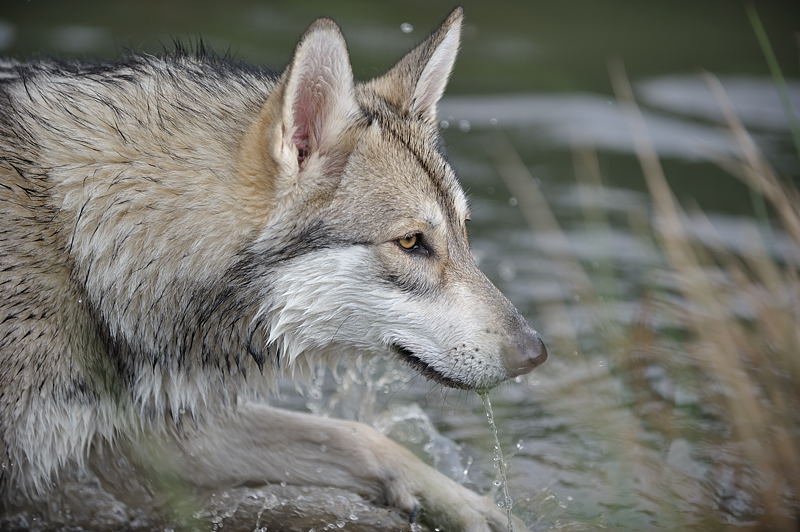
(161, 259)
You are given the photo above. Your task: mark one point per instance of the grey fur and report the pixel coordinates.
(156, 240)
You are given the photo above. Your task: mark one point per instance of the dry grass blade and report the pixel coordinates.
(730, 350)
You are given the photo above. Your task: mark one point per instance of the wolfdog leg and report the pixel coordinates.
(263, 444)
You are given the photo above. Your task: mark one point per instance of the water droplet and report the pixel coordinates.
(444, 124)
(353, 517)
(464, 126)
(340, 524)
(519, 445)
(513, 201)
(80, 301)
(405, 27)
(283, 483)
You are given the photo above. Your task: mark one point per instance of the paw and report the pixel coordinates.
(441, 503)
(479, 513)
(426, 495)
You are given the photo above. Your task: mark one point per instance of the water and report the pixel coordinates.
(622, 428)
(499, 461)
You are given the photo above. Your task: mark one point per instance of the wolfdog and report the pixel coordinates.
(179, 229)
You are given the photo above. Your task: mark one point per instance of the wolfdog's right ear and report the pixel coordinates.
(307, 110)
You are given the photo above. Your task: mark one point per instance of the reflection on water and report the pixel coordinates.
(586, 447)
(756, 101)
(574, 120)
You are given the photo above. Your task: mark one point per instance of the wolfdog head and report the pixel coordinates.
(370, 220)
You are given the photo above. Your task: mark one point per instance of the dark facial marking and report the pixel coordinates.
(434, 172)
(408, 356)
(407, 284)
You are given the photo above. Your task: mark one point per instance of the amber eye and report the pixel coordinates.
(408, 242)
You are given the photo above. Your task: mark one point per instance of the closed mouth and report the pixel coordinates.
(408, 356)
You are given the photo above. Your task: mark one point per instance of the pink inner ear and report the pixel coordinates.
(300, 137)
(306, 114)
(300, 140)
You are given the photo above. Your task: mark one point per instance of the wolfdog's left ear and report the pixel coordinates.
(416, 83)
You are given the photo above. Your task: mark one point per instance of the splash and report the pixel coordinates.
(499, 462)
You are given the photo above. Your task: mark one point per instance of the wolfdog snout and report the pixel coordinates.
(523, 352)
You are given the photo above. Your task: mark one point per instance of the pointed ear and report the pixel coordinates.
(299, 127)
(416, 83)
(311, 103)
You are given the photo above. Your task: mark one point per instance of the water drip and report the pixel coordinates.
(500, 465)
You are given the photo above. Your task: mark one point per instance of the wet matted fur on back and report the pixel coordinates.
(177, 229)
(115, 203)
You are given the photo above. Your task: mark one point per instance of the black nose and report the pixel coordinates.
(523, 353)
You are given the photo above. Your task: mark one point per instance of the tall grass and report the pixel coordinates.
(750, 365)
(775, 72)
(724, 325)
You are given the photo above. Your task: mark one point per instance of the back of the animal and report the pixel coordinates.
(75, 144)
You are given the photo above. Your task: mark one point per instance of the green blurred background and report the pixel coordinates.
(508, 46)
